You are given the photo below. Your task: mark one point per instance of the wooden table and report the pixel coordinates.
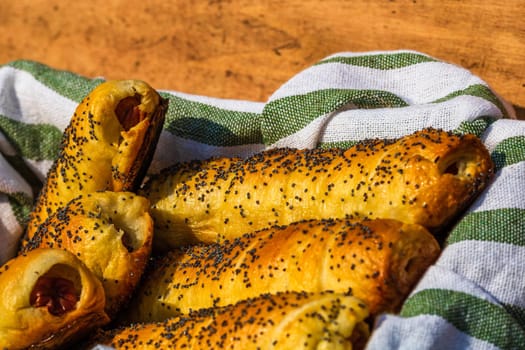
(247, 49)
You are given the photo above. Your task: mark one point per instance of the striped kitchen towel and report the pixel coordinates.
(472, 298)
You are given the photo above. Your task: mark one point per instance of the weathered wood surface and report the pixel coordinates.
(246, 49)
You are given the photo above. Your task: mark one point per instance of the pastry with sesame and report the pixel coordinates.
(110, 232)
(277, 321)
(49, 299)
(107, 146)
(378, 261)
(427, 178)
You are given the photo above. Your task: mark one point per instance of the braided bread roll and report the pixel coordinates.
(49, 299)
(108, 145)
(378, 261)
(425, 178)
(111, 232)
(281, 321)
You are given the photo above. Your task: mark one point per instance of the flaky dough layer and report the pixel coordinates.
(425, 178)
(107, 146)
(281, 321)
(110, 232)
(49, 298)
(378, 261)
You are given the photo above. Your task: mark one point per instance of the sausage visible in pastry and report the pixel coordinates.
(281, 321)
(378, 261)
(49, 299)
(111, 232)
(426, 178)
(108, 145)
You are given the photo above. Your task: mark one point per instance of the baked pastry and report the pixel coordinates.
(49, 299)
(111, 232)
(378, 261)
(108, 145)
(425, 178)
(281, 321)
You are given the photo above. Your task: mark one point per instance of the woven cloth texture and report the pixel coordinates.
(473, 297)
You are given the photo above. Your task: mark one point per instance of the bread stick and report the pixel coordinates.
(425, 178)
(107, 146)
(49, 299)
(111, 232)
(378, 261)
(282, 321)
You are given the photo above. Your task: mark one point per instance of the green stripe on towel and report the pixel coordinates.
(338, 144)
(477, 90)
(505, 225)
(476, 127)
(67, 84)
(509, 151)
(32, 141)
(381, 61)
(473, 316)
(287, 115)
(21, 205)
(211, 125)
(517, 312)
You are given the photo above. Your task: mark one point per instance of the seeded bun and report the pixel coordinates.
(107, 146)
(111, 232)
(378, 261)
(49, 299)
(282, 321)
(425, 178)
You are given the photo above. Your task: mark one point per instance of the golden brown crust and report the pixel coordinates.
(111, 232)
(377, 261)
(427, 178)
(108, 145)
(282, 321)
(49, 298)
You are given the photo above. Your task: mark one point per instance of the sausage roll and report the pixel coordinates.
(377, 261)
(425, 178)
(277, 321)
(49, 299)
(111, 232)
(108, 145)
